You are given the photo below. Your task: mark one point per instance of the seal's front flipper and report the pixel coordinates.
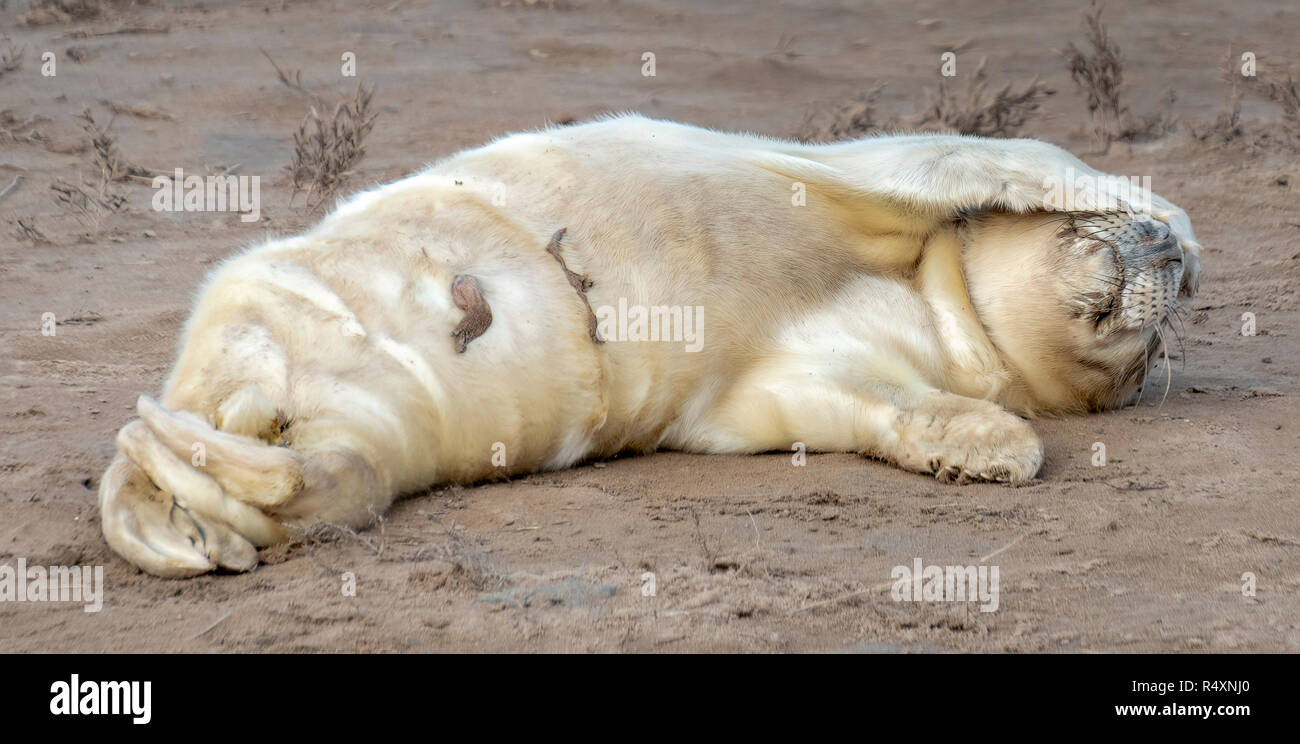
(468, 296)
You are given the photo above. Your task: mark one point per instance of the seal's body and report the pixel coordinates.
(632, 284)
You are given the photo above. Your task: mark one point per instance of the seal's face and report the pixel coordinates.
(1140, 271)
(1137, 276)
(1080, 305)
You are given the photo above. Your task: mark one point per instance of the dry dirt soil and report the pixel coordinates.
(1143, 554)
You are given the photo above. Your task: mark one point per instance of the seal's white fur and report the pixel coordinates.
(317, 378)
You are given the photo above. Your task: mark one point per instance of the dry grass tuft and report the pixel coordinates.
(107, 160)
(11, 59)
(1277, 87)
(1099, 73)
(28, 231)
(1227, 126)
(1155, 126)
(49, 12)
(857, 118)
(88, 206)
(93, 203)
(979, 112)
(15, 129)
(326, 149)
(1283, 92)
(292, 81)
(55, 12)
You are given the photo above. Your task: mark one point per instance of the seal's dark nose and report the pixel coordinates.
(1152, 243)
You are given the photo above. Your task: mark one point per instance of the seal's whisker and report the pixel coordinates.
(1113, 281)
(1177, 312)
(1093, 237)
(1169, 371)
(1146, 369)
(1182, 350)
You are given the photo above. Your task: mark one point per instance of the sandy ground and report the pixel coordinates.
(749, 554)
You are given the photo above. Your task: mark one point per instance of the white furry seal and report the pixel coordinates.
(633, 284)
